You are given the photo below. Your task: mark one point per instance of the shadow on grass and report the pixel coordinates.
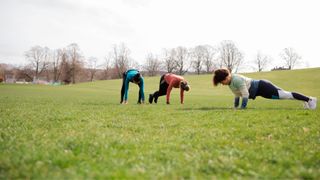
(281, 108)
(98, 103)
(228, 108)
(206, 108)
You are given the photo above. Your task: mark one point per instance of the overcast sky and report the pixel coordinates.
(148, 26)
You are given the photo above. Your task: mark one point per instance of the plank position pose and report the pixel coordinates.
(133, 76)
(247, 88)
(167, 82)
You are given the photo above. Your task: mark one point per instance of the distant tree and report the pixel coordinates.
(181, 60)
(92, 65)
(38, 58)
(107, 67)
(261, 61)
(2, 72)
(56, 64)
(121, 58)
(169, 56)
(134, 64)
(47, 56)
(291, 57)
(25, 73)
(208, 59)
(152, 64)
(65, 67)
(198, 56)
(203, 57)
(75, 59)
(230, 55)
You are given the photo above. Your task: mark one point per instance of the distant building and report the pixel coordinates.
(10, 78)
(279, 68)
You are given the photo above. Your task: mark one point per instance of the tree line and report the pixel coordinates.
(68, 65)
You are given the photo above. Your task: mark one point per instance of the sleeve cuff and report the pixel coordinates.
(244, 103)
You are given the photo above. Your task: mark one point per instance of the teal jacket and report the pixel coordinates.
(129, 78)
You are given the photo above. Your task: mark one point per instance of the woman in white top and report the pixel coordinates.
(248, 88)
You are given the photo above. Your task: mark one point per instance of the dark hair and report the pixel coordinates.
(136, 78)
(220, 75)
(184, 85)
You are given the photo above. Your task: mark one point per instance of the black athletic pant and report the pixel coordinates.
(124, 76)
(139, 98)
(163, 86)
(268, 90)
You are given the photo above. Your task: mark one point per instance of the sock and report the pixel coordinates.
(285, 94)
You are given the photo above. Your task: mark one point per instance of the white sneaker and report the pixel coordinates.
(312, 103)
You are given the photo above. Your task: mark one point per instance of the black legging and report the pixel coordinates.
(124, 76)
(268, 90)
(163, 86)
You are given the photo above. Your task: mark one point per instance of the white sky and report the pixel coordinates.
(150, 25)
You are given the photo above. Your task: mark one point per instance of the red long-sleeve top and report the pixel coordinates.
(174, 81)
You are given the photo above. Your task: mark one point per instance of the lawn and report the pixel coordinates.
(82, 132)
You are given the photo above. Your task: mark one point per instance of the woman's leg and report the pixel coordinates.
(163, 86)
(122, 88)
(268, 90)
(139, 93)
(156, 93)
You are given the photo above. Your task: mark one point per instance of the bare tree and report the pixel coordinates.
(261, 61)
(197, 55)
(291, 57)
(92, 65)
(2, 72)
(65, 68)
(152, 65)
(37, 56)
(120, 55)
(181, 60)
(47, 56)
(75, 60)
(169, 60)
(203, 57)
(134, 64)
(56, 63)
(209, 54)
(230, 55)
(107, 67)
(26, 73)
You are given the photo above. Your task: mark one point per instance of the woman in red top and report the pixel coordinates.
(167, 82)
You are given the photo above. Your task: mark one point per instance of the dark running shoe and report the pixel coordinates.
(150, 98)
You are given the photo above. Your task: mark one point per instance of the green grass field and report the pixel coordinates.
(82, 132)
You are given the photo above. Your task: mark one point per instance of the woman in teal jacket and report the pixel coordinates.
(133, 76)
